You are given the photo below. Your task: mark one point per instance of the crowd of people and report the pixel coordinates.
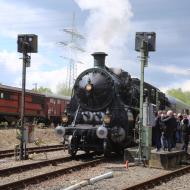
(171, 128)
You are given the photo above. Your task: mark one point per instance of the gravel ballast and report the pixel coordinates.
(122, 177)
(178, 183)
(10, 162)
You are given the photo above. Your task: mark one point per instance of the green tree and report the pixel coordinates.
(43, 90)
(179, 94)
(63, 90)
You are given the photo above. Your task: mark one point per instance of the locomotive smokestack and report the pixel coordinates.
(99, 59)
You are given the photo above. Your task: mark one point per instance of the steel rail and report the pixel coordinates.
(31, 148)
(53, 162)
(46, 176)
(10, 153)
(158, 180)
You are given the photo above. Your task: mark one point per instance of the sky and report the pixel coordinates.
(106, 25)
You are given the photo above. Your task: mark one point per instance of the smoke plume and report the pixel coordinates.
(107, 26)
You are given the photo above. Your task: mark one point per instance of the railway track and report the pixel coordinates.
(53, 162)
(46, 176)
(10, 152)
(158, 180)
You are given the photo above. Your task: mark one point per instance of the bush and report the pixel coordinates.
(41, 125)
(4, 124)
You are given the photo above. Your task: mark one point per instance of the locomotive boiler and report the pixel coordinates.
(104, 108)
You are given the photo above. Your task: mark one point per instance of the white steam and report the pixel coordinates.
(107, 26)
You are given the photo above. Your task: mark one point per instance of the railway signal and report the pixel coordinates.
(26, 43)
(144, 42)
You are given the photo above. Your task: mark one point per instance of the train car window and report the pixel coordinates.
(5, 95)
(37, 100)
(58, 102)
(51, 100)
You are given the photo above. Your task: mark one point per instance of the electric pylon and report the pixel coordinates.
(73, 49)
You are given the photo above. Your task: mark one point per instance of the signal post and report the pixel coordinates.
(144, 42)
(26, 43)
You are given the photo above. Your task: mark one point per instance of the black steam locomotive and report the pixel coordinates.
(104, 108)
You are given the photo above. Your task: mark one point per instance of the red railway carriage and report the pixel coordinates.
(46, 108)
(10, 103)
(55, 106)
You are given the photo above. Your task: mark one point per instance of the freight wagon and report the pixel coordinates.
(43, 107)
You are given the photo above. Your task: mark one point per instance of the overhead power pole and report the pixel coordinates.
(35, 86)
(73, 48)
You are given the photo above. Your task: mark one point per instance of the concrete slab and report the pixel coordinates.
(166, 160)
(130, 154)
(162, 159)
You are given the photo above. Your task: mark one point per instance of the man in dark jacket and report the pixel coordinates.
(171, 124)
(157, 129)
(179, 132)
(185, 134)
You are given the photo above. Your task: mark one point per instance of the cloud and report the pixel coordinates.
(185, 86)
(17, 18)
(172, 69)
(48, 79)
(12, 61)
(107, 26)
(39, 72)
(20, 19)
(9, 61)
(113, 30)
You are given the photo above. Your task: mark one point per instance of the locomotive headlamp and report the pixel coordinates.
(89, 87)
(107, 119)
(65, 118)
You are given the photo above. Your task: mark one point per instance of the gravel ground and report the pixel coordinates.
(121, 179)
(30, 173)
(178, 183)
(8, 137)
(10, 162)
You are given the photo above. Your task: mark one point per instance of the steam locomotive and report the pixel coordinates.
(104, 109)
